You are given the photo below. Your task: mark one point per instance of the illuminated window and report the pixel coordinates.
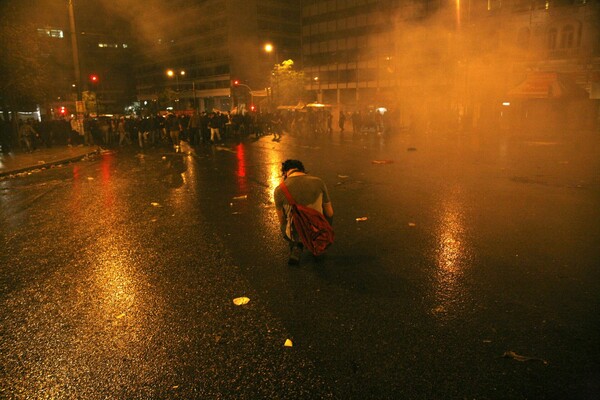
(53, 33)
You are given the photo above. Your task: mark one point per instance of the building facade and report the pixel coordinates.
(456, 63)
(92, 62)
(210, 44)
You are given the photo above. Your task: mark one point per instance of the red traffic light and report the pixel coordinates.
(62, 110)
(94, 78)
(236, 82)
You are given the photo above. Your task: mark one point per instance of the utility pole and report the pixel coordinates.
(75, 50)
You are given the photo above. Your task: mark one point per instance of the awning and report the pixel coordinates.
(318, 105)
(299, 106)
(546, 85)
(259, 93)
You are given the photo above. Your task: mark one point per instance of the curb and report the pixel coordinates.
(47, 164)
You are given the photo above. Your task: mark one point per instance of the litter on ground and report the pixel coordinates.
(240, 301)
(518, 357)
(288, 343)
(361, 219)
(382, 162)
(241, 197)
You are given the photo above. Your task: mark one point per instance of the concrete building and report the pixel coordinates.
(209, 44)
(457, 64)
(102, 57)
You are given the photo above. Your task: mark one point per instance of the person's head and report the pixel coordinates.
(291, 165)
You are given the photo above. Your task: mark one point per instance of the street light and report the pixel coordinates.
(170, 74)
(270, 49)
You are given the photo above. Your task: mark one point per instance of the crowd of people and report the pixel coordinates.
(195, 128)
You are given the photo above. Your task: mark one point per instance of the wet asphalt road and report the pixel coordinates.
(117, 274)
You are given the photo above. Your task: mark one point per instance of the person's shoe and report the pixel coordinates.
(295, 254)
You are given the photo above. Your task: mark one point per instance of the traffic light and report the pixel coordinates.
(236, 82)
(62, 110)
(94, 78)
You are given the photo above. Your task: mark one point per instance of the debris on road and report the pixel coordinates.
(411, 149)
(288, 343)
(221, 148)
(90, 178)
(241, 197)
(240, 301)
(518, 357)
(412, 224)
(361, 219)
(155, 204)
(120, 316)
(343, 176)
(382, 162)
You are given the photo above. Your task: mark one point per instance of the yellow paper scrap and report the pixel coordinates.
(120, 316)
(361, 219)
(288, 343)
(241, 197)
(240, 301)
(155, 204)
(412, 224)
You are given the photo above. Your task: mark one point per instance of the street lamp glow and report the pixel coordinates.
(269, 48)
(170, 72)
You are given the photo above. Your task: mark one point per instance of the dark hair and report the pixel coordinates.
(292, 164)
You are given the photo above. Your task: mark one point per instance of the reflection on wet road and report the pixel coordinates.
(118, 274)
(452, 254)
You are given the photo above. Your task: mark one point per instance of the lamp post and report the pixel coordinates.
(170, 74)
(75, 49)
(269, 48)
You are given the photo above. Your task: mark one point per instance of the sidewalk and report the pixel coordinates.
(18, 161)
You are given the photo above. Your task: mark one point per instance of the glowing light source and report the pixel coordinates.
(506, 104)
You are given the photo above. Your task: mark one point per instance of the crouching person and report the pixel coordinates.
(303, 190)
